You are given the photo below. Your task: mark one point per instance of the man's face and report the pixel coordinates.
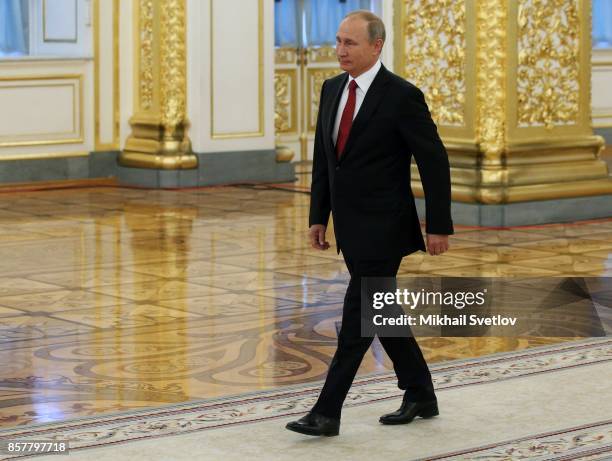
(353, 48)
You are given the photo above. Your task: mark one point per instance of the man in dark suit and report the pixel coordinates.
(370, 123)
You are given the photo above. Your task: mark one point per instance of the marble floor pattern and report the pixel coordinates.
(116, 298)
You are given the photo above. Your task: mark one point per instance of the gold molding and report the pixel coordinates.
(524, 193)
(147, 26)
(322, 54)
(603, 125)
(43, 155)
(491, 78)
(260, 32)
(284, 154)
(313, 83)
(77, 111)
(285, 95)
(60, 40)
(540, 167)
(173, 77)
(285, 55)
(114, 145)
(303, 119)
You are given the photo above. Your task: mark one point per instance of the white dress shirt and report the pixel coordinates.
(363, 84)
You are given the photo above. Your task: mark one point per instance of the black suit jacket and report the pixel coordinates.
(368, 189)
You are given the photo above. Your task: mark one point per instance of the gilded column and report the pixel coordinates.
(159, 124)
(508, 84)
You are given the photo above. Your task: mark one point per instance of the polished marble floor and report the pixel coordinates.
(115, 298)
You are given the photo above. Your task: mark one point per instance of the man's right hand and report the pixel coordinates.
(316, 233)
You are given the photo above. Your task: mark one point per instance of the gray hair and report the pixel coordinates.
(376, 28)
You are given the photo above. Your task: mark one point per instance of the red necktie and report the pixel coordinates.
(347, 119)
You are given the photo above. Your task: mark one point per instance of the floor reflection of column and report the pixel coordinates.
(167, 370)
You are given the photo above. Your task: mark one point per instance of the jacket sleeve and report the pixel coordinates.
(421, 135)
(320, 206)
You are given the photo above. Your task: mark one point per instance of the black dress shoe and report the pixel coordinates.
(410, 410)
(315, 424)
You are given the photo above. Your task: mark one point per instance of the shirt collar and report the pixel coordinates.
(365, 80)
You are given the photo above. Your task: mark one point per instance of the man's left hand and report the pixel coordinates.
(437, 244)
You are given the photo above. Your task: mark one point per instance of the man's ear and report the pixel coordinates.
(379, 44)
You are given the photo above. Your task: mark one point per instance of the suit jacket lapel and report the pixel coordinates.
(372, 99)
(330, 119)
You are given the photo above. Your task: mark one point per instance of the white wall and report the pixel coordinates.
(230, 75)
(387, 17)
(601, 91)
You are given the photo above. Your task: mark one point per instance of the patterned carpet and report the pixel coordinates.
(504, 406)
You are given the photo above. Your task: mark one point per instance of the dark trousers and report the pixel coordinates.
(408, 362)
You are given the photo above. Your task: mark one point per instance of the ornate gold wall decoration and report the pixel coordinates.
(434, 41)
(285, 110)
(146, 54)
(285, 55)
(315, 80)
(322, 54)
(173, 64)
(548, 62)
(158, 138)
(508, 84)
(491, 79)
(285, 104)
